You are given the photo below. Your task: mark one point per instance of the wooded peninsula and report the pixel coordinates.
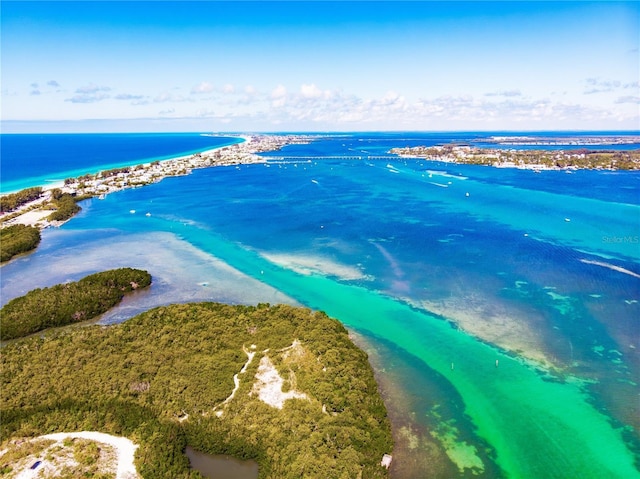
(529, 159)
(17, 239)
(284, 386)
(68, 303)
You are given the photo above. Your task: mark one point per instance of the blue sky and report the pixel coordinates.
(294, 66)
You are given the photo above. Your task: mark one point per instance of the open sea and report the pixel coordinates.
(499, 307)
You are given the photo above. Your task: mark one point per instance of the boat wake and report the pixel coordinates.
(612, 267)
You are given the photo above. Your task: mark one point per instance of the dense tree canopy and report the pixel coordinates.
(162, 379)
(576, 159)
(66, 206)
(68, 303)
(16, 239)
(14, 200)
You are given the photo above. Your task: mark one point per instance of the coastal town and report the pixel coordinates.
(607, 140)
(38, 208)
(37, 212)
(528, 159)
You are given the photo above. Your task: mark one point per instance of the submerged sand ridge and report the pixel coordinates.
(500, 327)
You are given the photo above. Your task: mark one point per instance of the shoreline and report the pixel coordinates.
(35, 213)
(536, 160)
(51, 181)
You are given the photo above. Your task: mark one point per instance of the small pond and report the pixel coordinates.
(221, 466)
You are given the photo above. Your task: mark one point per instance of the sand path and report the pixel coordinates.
(125, 451)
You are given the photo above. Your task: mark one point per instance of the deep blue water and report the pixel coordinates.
(619, 186)
(37, 159)
(444, 269)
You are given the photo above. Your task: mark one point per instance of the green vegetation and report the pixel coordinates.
(138, 378)
(17, 239)
(65, 204)
(78, 457)
(68, 303)
(15, 200)
(113, 172)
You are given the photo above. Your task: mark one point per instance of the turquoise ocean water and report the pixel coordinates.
(499, 307)
(40, 159)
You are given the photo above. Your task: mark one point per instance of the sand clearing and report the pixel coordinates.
(236, 381)
(52, 461)
(269, 383)
(33, 218)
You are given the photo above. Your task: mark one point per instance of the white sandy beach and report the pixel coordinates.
(32, 214)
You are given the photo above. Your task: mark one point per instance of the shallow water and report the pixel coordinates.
(509, 334)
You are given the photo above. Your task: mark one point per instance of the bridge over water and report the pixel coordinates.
(335, 157)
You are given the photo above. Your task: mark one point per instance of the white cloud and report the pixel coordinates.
(205, 113)
(309, 106)
(53, 83)
(278, 96)
(310, 91)
(91, 93)
(598, 85)
(314, 106)
(313, 92)
(279, 92)
(628, 99)
(127, 96)
(393, 100)
(166, 97)
(507, 93)
(92, 89)
(203, 87)
(87, 98)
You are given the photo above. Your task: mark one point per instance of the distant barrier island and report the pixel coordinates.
(582, 158)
